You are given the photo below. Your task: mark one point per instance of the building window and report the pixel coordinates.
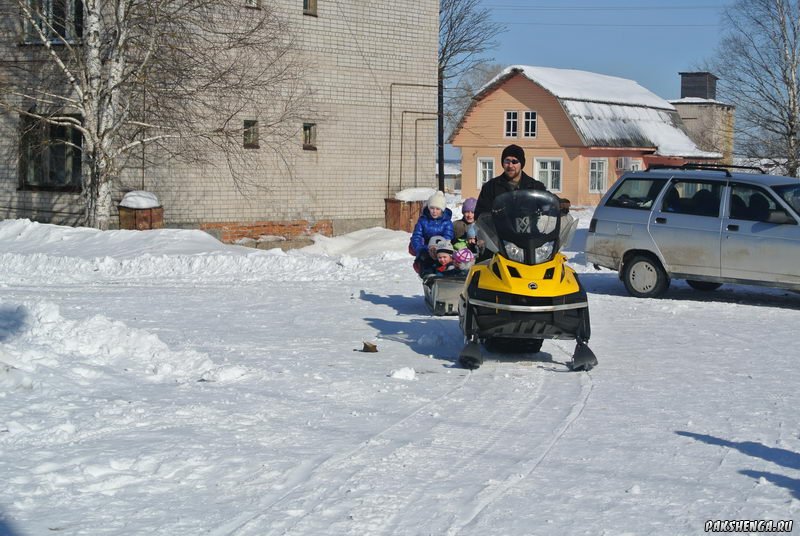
(626, 163)
(310, 7)
(250, 134)
(485, 170)
(597, 175)
(59, 20)
(548, 171)
(530, 125)
(511, 124)
(50, 156)
(310, 136)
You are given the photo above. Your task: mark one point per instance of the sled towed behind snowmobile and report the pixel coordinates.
(442, 294)
(526, 292)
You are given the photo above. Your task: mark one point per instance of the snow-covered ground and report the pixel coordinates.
(160, 382)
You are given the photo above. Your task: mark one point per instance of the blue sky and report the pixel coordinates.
(649, 41)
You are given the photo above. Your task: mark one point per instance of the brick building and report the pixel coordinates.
(372, 72)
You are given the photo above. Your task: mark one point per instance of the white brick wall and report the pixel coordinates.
(360, 54)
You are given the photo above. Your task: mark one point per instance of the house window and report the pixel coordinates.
(59, 20)
(310, 136)
(485, 170)
(511, 124)
(548, 171)
(597, 175)
(250, 134)
(310, 7)
(529, 130)
(50, 156)
(626, 163)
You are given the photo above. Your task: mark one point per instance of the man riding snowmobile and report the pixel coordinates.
(525, 292)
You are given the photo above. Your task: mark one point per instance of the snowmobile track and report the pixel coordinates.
(493, 493)
(302, 476)
(454, 438)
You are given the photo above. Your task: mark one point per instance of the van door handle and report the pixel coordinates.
(661, 220)
(732, 227)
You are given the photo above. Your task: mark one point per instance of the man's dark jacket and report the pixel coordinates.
(500, 185)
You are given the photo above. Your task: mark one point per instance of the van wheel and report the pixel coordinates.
(705, 286)
(644, 277)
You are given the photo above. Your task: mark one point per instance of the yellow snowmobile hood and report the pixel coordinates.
(548, 279)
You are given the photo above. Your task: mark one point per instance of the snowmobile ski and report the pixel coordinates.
(583, 358)
(470, 357)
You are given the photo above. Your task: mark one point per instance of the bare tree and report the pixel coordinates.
(758, 60)
(458, 96)
(466, 32)
(175, 75)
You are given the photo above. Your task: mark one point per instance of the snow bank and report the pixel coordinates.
(39, 344)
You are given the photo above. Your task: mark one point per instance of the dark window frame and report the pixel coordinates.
(59, 149)
(63, 22)
(250, 139)
(309, 136)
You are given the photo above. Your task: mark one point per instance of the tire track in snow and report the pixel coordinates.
(434, 475)
(247, 523)
(492, 493)
(374, 497)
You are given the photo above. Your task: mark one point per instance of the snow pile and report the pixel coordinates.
(139, 199)
(56, 254)
(39, 343)
(405, 373)
(415, 194)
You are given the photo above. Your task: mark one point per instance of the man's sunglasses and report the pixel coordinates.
(511, 161)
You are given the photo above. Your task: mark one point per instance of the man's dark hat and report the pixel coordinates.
(514, 151)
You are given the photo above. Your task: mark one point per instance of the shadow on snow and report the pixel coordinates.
(781, 457)
(12, 320)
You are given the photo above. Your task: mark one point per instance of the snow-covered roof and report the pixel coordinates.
(585, 85)
(452, 168)
(608, 111)
(614, 125)
(698, 100)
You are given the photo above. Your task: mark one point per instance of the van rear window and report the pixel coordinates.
(636, 193)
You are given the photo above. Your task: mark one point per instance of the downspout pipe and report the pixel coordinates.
(391, 111)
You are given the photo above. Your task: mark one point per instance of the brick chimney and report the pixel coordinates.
(702, 85)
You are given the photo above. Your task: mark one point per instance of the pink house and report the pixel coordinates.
(580, 130)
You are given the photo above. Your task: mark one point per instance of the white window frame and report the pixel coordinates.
(49, 26)
(548, 177)
(598, 178)
(482, 175)
(636, 164)
(511, 124)
(529, 124)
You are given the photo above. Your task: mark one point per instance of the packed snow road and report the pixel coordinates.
(224, 393)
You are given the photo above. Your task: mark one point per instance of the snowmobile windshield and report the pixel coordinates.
(523, 227)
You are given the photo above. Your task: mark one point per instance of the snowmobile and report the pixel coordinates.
(525, 292)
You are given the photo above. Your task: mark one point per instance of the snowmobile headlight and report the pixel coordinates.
(515, 253)
(544, 252)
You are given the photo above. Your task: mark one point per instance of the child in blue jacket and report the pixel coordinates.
(435, 220)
